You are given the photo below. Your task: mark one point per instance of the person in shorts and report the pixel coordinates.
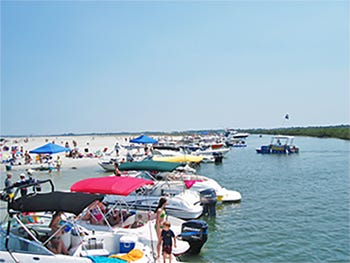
(167, 241)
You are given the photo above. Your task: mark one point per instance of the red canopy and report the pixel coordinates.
(114, 185)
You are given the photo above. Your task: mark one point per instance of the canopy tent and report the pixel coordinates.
(49, 148)
(149, 165)
(144, 139)
(114, 185)
(55, 201)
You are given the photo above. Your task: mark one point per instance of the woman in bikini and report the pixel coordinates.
(160, 219)
(56, 241)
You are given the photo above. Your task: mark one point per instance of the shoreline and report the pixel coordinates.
(338, 131)
(85, 144)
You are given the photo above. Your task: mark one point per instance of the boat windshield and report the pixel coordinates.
(145, 175)
(21, 245)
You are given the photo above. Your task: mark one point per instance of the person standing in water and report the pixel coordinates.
(58, 163)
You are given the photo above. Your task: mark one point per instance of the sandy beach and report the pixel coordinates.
(86, 145)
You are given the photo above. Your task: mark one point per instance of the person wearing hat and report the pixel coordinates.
(22, 181)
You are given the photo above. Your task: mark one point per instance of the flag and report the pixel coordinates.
(286, 117)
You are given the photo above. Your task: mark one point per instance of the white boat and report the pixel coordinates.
(200, 183)
(143, 194)
(231, 133)
(142, 224)
(27, 235)
(177, 176)
(118, 189)
(184, 204)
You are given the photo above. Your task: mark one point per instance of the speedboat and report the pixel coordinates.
(179, 177)
(183, 158)
(200, 183)
(280, 144)
(118, 187)
(108, 163)
(141, 194)
(26, 237)
(233, 134)
(191, 235)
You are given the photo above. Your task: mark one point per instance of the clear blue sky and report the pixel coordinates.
(75, 66)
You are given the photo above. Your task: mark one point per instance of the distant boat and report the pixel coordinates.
(232, 134)
(235, 139)
(184, 158)
(280, 144)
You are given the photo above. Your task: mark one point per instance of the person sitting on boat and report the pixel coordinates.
(116, 170)
(95, 214)
(138, 221)
(57, 246)
(113, 217)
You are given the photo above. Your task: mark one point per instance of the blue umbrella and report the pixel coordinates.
(144, 139)
(50, 148)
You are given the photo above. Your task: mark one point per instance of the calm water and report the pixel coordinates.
(294, 208)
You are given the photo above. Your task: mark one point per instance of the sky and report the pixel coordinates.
(129, 66)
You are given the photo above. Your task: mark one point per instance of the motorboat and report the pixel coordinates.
(141, 194)
(200, 183)
(190, 240)
(211, 154)
(117, 187)
(235, 139)
(26, 236)
(34, 252)
(108, 162)
(236, 143)
(231, 133)
(184, 158)
(280, 144)
(180, 176)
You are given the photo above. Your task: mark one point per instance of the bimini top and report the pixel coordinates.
(114, 185)
(55, 201)
(149, 165)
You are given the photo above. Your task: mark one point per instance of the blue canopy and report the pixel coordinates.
(49, 149)
(143, 139)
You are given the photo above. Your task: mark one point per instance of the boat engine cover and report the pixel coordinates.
(195, 232)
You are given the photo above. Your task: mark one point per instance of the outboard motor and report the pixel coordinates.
(195, 232)
(218, 157)
(208, 200)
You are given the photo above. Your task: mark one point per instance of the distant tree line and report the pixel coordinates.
(339, 131)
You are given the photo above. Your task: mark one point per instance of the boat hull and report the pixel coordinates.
(274, 149)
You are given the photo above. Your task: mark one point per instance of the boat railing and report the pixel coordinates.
(16, 187)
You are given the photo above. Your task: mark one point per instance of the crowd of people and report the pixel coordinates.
(22, 184)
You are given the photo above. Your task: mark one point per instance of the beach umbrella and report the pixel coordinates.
(143, 139)
(49, 148)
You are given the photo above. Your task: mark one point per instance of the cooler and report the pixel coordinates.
(127, 243)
